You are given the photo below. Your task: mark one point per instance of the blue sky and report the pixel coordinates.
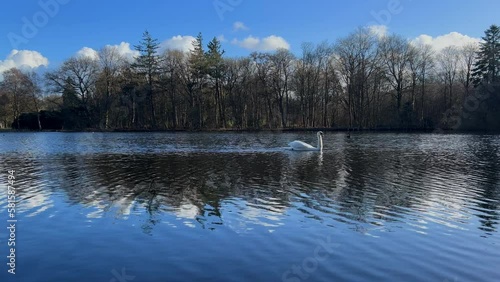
(264, 25)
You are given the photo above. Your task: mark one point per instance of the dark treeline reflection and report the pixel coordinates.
(350, 185)
(488, 166)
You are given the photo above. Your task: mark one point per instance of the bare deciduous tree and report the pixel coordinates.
(447, 67)
(396, 53)
(467, 56)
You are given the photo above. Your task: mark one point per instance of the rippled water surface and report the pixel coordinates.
(239, 207)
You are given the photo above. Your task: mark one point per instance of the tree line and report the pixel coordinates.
(361, 81)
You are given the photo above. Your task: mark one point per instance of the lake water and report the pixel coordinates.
(238, 207)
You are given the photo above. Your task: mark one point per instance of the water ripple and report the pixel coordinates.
(398, 205)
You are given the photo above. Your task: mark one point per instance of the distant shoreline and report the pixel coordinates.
(344, 130)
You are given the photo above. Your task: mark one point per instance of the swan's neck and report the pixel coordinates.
(320, 143)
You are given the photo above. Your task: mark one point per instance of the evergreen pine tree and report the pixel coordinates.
(197, 58)
(487, 66)
(215, 68)
(148, 64)
(198, 70)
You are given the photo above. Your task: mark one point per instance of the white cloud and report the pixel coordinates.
(123, 49)
(239, 26)
(24, 60)
(269, 43)
(179, 42)
(451, 39)
(88, 53)
(378, 30)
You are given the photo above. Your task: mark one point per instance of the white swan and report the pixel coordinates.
(301, 146)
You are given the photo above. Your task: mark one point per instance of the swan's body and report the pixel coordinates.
(302, 146)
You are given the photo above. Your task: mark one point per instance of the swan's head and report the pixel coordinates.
(320, 133)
